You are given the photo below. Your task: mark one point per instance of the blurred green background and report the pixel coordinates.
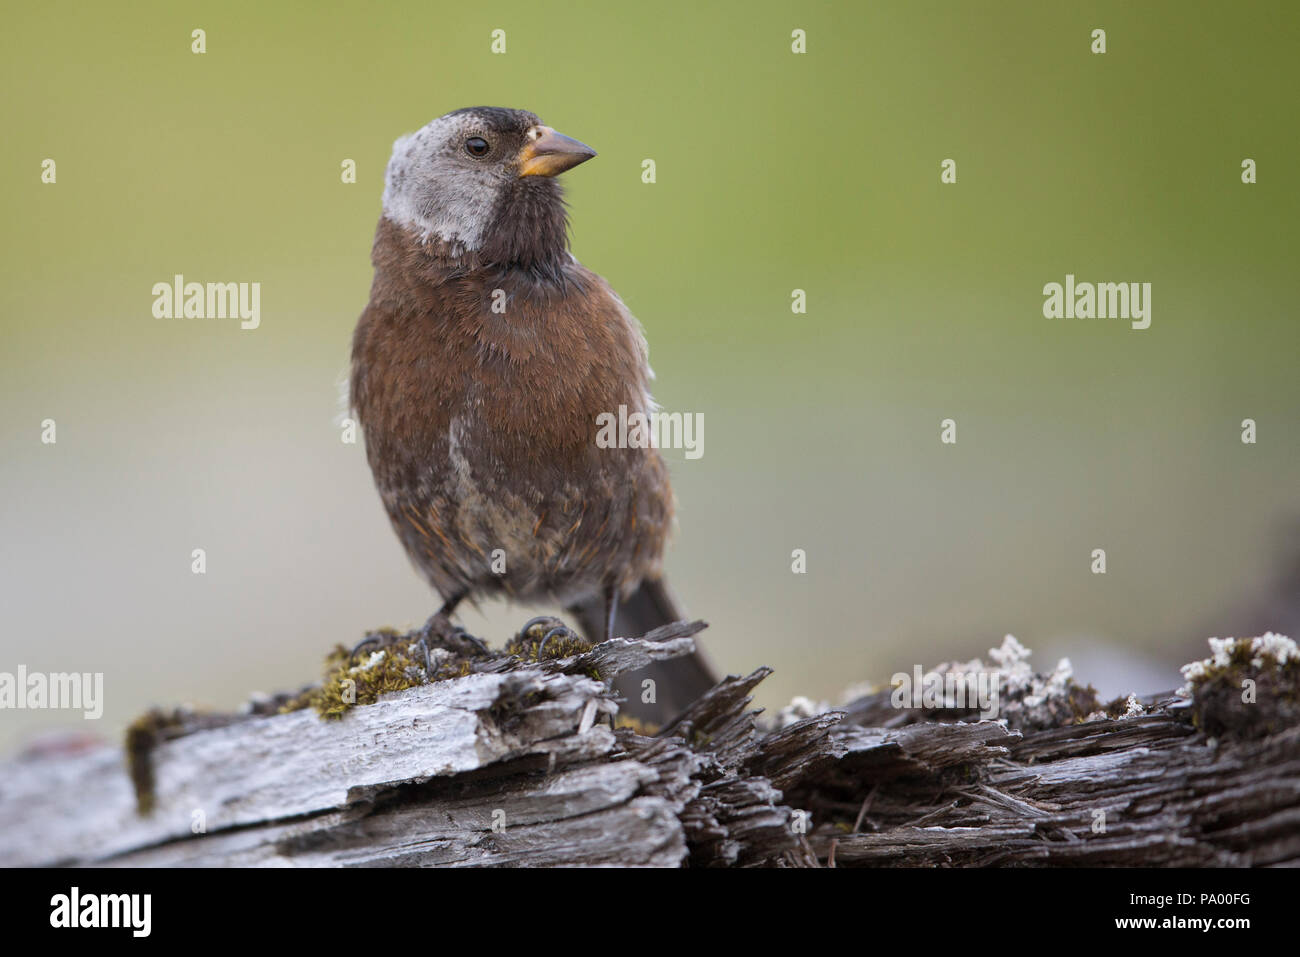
(775, 171)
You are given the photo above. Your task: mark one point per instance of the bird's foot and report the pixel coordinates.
(440, 632)
(385, 638)
(545, 636)
(376, 640)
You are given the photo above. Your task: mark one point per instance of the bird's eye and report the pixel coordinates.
(477, 146)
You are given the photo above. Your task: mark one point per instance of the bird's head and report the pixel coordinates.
(480, 182)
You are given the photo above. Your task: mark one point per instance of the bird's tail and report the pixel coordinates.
(677, 682)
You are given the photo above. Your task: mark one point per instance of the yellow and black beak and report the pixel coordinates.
(549, 153)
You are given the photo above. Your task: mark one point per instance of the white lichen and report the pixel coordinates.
(1278, 647)
(798, 709)
(1269, 647)
(375, 658)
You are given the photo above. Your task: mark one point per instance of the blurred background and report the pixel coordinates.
(775, 171)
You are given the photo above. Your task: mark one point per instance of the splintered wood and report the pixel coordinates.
(516, 764)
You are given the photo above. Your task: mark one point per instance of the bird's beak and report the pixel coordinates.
(549, 153)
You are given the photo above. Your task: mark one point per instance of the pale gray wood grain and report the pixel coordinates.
(516, 766)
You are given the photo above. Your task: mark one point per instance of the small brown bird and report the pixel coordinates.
(479, 368)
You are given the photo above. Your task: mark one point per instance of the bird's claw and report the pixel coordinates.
(563, 631)
(480, 646)
(381, 638)
(438, 631)
(532, 623)
(550, 627)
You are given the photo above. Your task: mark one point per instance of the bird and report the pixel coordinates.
(480, 366)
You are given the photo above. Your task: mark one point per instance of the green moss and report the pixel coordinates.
(142, 736)
(645, 729)
(394, 662)
(525, 647)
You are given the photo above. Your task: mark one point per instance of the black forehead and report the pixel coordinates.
(499, 119)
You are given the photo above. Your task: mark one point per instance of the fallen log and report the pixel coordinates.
(506, 760)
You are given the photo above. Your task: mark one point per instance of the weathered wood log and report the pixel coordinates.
(512, 763)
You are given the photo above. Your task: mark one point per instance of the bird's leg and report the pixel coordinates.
(611, 609)
(611, 612)
(440, 631)
(451, 603)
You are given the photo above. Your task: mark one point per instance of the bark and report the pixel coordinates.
(515, 764)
